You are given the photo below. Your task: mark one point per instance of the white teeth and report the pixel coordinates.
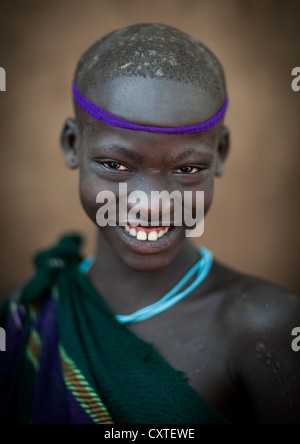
(152, 236)
(141, 235)
(132, 232)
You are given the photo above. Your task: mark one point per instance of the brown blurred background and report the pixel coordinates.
(253, 224)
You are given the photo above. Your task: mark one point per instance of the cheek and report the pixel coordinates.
(208, 187)
(208, 195)
(89, 187)
(88, 193)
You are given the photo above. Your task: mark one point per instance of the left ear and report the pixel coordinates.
(222, 150)
(70, 141)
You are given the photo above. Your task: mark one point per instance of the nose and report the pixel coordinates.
(150, 206)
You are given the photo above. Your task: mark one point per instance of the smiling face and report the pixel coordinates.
(108, 156)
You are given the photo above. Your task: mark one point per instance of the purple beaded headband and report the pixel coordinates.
(110, 119)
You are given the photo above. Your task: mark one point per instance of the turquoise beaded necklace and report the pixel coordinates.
(200, 270)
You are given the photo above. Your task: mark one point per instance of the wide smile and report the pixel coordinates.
(149, 240)
(147, 234)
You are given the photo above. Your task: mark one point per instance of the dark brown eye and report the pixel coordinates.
(187, 170)
(112, 165)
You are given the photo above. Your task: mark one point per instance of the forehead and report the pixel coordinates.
(154, 102)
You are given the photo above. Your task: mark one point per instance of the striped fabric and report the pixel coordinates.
(33, 350)
(68, 360)
(82, 391)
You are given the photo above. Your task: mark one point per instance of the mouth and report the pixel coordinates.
(147, 234)
(149, 240)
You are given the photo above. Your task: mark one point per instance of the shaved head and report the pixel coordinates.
(156, 78)
(151, 51)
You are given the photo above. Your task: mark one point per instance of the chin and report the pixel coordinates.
(145, 263)
(144, 255)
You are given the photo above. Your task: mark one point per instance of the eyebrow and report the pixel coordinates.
(139, 157)
(185, 154)
(121, 149)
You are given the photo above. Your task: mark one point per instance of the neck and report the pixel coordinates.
(126, 290)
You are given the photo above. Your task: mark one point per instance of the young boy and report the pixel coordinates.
(152, 330)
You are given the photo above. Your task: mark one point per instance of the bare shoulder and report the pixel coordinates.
(257, 319)
(253, 306)
(258, 304)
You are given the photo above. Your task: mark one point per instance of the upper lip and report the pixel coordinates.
(149, 229)
(149, 226)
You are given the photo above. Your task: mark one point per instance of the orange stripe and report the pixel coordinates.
(98, 411)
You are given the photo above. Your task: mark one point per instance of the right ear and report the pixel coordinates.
(69, 141)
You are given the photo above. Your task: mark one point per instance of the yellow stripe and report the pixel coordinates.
(33, 350)
(82, 391)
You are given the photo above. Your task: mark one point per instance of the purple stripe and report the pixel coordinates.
(110, 119)
(49, 404)
(53, 403)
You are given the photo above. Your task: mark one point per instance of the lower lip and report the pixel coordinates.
(151, 247)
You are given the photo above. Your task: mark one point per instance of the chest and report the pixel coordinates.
(189, 339)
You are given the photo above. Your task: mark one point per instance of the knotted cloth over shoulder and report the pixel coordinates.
(70, 362)
(51, 263)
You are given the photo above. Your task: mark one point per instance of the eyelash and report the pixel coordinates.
(105, 164)
(199, 169)
(109, 166)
